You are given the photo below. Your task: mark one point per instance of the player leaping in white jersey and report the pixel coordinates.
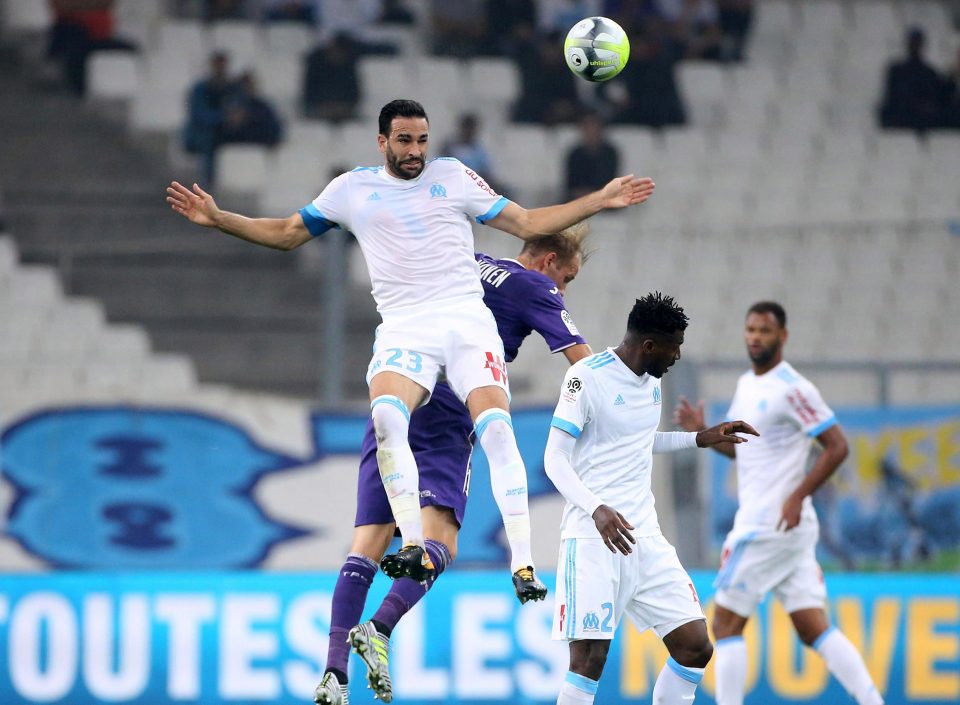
(411, 218)
(772, 545)
(599, 455)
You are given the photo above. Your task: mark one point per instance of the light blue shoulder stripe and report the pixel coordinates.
(821, 427)
(494, 211)
(566, 426)
(317, 224)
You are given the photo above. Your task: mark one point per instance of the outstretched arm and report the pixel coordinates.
(622, 192)
(835, 450)
(692, 418)
(198, 207)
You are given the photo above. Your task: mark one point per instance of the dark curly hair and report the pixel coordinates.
(656, 313)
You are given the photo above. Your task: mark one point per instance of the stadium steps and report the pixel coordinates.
(80, 195)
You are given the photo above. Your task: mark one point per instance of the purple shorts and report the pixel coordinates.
(440, 439)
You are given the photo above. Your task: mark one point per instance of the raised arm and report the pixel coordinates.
(198, 207)
(621, 192)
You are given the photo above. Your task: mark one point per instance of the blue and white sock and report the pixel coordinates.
(676, 684)
(577, 690)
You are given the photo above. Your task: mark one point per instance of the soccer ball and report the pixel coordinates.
(596, 49)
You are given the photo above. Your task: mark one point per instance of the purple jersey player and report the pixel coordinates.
(525, 295)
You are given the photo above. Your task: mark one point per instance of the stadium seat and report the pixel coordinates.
(113, 75)
(380, 77)
(158, 110)
(167, 375)
(280, 78)
(703, 87)
(240, 39)
(287, 38)
(492, 82)
(8, 256)
(242, 167)
(138, 20)
(121, 342)
(186, 39)
(26, 16)
(911, 388)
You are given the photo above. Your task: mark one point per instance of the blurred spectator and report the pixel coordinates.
(395, 12)
(561, 15)
(548, 93)
(914, 93)
(591, 163)
(457, 27)
(248, 118)
(632, 15)
(650, 89)
(331, 88)
(303, 11)
(693, 27)
(508, 22)
(206, 112)
(467, 147)
(736, 18)
(951, 113)
(358, 20)
(81, 27)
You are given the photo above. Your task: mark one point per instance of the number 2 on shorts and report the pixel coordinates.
(414, 362)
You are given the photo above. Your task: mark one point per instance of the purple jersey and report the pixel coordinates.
(522, 301)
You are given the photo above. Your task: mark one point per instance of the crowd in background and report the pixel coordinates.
(662, 33)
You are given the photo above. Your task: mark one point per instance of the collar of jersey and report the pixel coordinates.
(766, 375)
(641, 379)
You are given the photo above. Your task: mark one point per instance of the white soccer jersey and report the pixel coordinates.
(614, 415)
(787, 411)
(415, 234)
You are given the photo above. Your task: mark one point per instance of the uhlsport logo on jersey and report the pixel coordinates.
(656, 395)
(591, 622)
(438, 191)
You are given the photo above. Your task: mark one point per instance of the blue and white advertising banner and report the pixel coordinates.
(895, 502)
(164, 638)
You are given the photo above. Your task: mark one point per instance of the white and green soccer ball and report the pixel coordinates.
(596, 49)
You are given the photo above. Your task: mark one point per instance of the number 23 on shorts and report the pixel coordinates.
(404, 359)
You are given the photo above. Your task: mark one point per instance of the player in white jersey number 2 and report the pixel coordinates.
(411, 219)
(613, 559)
(773, 541)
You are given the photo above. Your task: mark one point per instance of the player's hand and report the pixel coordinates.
(689, 417)
(725, 433)
(197, 206)
(790, 515)
(614, 529)
(626, 191)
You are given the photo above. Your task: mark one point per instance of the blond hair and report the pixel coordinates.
(567, 243)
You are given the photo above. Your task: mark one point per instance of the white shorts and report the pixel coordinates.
(595, 587)
(756, 562)
(459, 341)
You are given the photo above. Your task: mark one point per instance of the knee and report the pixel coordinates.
(391, 418)
(809, 636)
(695, 655)
(590, 662)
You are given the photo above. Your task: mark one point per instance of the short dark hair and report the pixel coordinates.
(567, 244)
(770, 307)
(656, 313)
(401, 107)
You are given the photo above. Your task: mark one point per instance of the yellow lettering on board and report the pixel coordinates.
(643, 657)
(877, 645)
(927, 647)
(753, 640)
(783, 644)
(869, 453)
(947, 438)
(915, 454)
